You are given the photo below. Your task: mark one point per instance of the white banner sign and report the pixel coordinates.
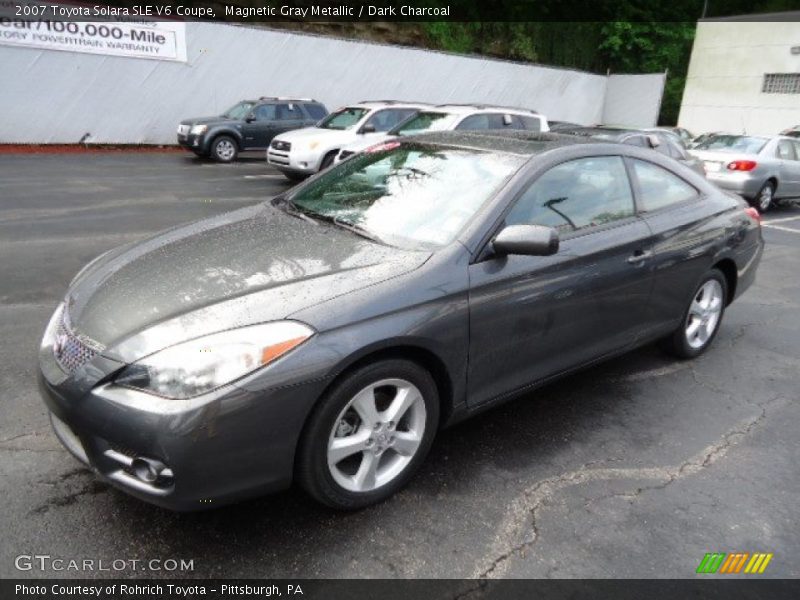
(156, 40)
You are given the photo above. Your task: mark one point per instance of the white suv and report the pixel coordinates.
(455, 116)
(303, 152)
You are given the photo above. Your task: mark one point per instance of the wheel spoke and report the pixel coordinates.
(403, 400)
(703, 333)
(691, 330)
(365, 476)
(341, 448)
(364, 405)
(406, 442)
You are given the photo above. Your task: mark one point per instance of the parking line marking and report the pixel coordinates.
(783, 219)
(264, 177)
(780, 228)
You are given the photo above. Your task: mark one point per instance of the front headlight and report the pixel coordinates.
(198, 129)
(203, 364)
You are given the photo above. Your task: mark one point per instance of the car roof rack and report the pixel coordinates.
(393, 102)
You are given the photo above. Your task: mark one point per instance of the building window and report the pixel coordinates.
(781, 83)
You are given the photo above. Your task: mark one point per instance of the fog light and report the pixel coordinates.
(149, 470)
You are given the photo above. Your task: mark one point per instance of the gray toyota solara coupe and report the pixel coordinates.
(326, 335)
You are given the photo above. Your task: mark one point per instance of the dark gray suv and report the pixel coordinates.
(249, 125)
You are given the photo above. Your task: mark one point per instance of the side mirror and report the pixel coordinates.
(368, 129)
(529, 240)
(250, 118)
(654, 140)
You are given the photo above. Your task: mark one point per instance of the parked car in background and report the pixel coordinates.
(759, 168)
(562, 125)
(684, 135)
(457, 117)
(248, 125)
(326, 336)
(703, 137)
(298, 154)
(792, 132)
(663, 142)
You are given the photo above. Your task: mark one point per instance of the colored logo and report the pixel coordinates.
(736, 562)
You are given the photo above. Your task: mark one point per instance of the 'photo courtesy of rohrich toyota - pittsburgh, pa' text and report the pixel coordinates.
(399, 299)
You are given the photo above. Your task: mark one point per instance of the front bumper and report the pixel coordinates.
(742, 183)
(221, 447)
(195, 143)
(292, 161)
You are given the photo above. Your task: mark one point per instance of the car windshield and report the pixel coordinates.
(425, 121)
(344, 118)
(733, 143)
(407, 195)
(238, 111)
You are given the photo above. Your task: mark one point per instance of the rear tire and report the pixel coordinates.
(764, 199)
(368, 434)
(701, 319)
(224, 149)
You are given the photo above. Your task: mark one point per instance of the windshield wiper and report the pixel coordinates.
(290, 208)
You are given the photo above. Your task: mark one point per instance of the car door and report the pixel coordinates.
(259, 127)
(681, 228)
(789, 169)
(533, 317)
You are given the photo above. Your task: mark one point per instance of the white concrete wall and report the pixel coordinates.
(726, 74)
(58, 97)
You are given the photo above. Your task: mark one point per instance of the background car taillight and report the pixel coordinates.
(742, 165)
(753, 214)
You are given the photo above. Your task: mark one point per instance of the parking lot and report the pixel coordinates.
(635, 468)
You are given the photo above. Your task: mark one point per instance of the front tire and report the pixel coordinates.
(702, 317)
(224, 149)
(368, 435)
(327, 161)
(764, 199)
(296, 177)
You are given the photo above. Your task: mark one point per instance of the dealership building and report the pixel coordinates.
(744, 76)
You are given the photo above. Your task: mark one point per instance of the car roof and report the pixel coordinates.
(463, 109)
(526, 143)
(281, 99)
(373, 104)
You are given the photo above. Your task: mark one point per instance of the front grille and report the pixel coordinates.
(279, 145)
(71, 350)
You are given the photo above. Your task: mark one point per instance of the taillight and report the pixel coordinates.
(742, 165)
(753, 214)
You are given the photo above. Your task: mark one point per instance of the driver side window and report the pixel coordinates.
(576, 195)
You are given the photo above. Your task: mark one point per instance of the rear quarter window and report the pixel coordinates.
(316, 111)
(658, 188)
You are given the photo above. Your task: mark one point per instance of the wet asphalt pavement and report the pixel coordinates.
(635, 468)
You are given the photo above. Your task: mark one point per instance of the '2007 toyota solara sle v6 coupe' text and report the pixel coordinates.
(326, 335)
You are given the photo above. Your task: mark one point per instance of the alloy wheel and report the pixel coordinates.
(225, 150)
(376, 435)
(704, 314)
(765, 198)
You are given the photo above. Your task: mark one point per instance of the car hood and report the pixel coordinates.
(311, 134)
(250, 266)
(206, 120)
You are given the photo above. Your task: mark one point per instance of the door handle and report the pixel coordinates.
(639, 256)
